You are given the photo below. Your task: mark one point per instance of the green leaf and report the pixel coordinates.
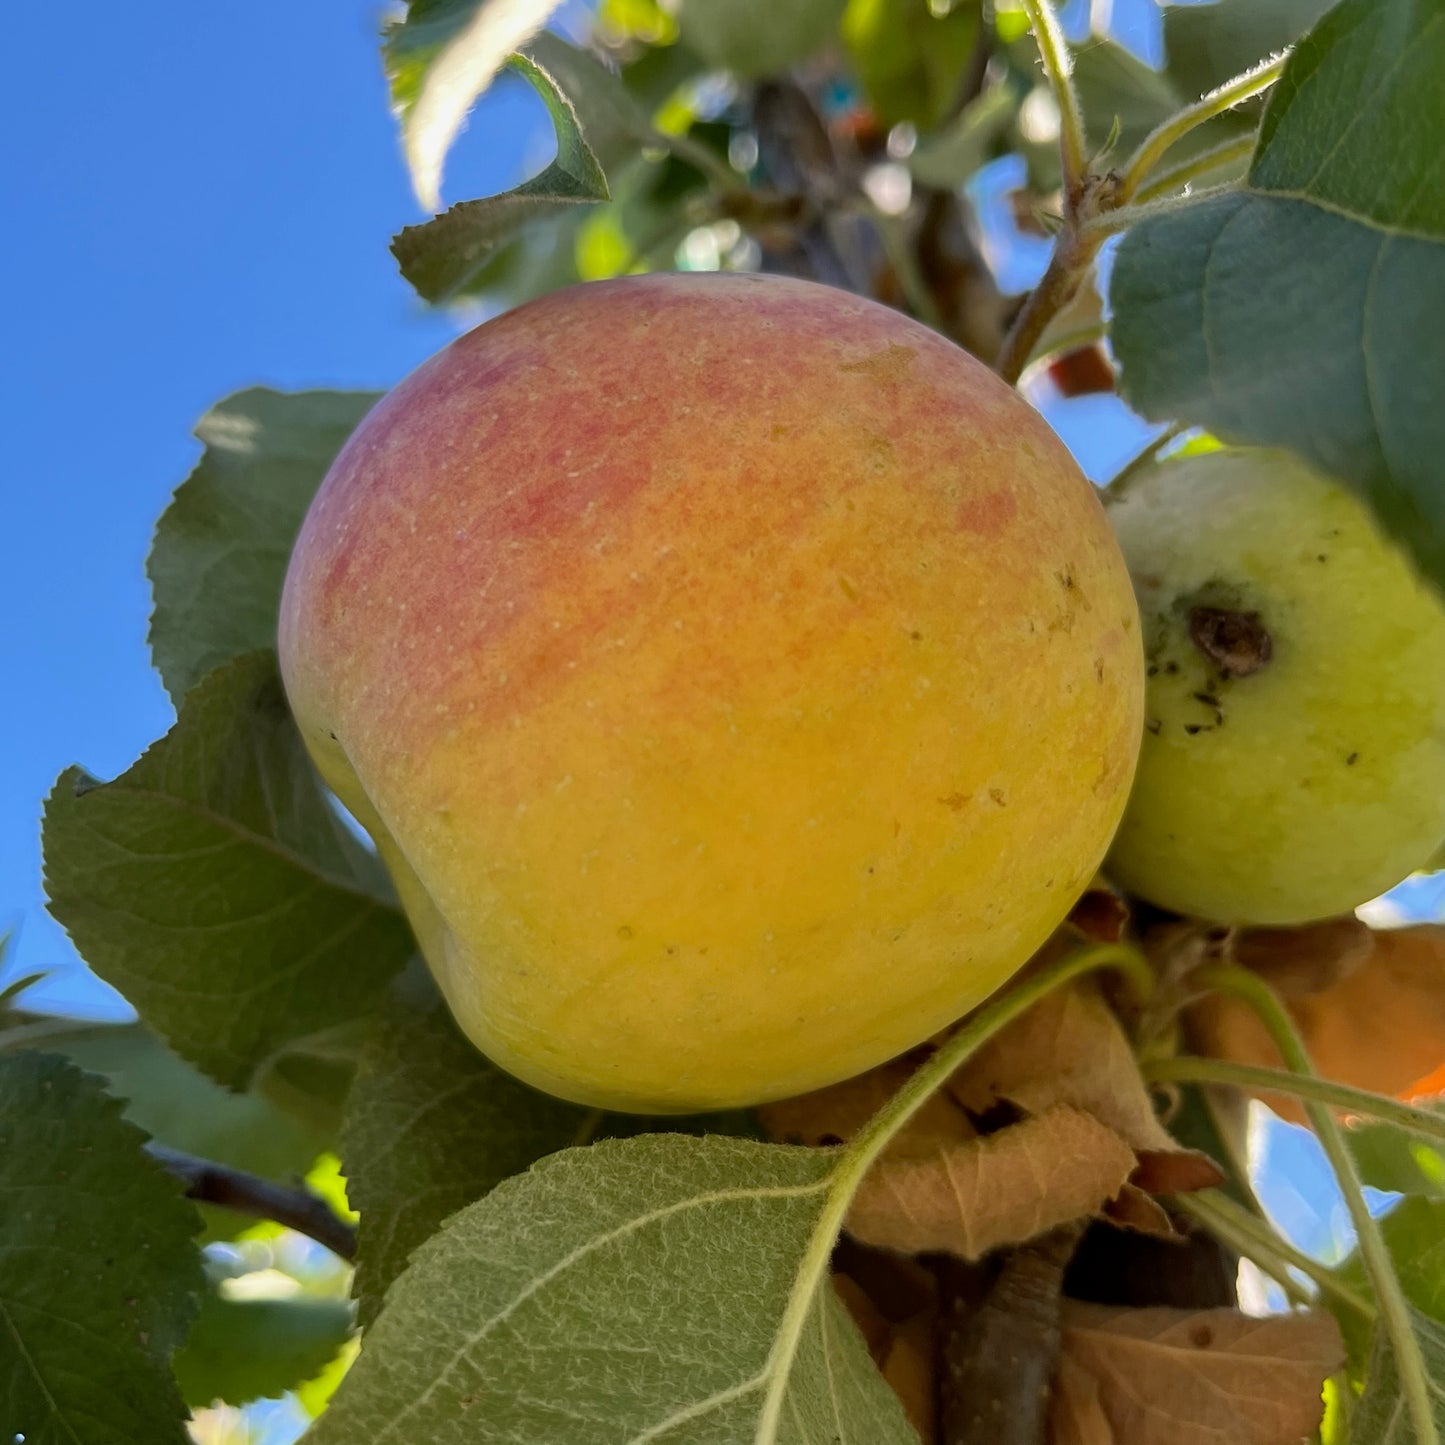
(950, 156)
(659, 1288)
(1115, 85)
(432, 1125)
(215, 886)
(181, 1107)
(1297, 311)
(610, 117)
(754, 38)
(1391, 1158)
(244, 1349)
(439, 58)
(441, 257)
(1414, 1232)
(1382, 1417)
(910, 55)
(1206, 44)
(221, 547)
(1211, 43)
(99, 1276)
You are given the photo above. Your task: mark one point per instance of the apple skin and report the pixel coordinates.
(739, 681)
(1301, 789)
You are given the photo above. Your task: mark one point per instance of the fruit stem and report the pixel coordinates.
(1394, 1309)
(1167, 183)
(1187, 1069)
(1218, 100)
(1058, 68)
(1259, 1241)
(1141, 459)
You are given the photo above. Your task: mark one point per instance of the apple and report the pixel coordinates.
(1294, 754)
(738, 680)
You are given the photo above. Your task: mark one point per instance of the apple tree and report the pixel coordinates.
(296, 1175)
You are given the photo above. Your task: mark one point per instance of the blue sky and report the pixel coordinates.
(200, 197)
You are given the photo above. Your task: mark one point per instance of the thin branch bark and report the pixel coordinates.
(999, 1356)
(210, 1183)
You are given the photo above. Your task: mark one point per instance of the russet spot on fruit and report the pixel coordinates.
(738, 680)
(1294, 759)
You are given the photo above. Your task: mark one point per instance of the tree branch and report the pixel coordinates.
(798, 155)
(299, 1209)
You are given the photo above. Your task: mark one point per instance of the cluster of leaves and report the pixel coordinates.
(527, 1270)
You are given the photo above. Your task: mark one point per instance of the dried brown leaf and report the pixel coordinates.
(1381, 1027)
(970, 1197)
(876, 1331)
(1076, 1417)
(911, 1371)
(1101, 914)
(1177, 1171)
(838, 1112)
(1068, 1049)
(1133, 1208)
(1307, 959)
(1191, 1377)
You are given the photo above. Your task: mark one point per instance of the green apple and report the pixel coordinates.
(1293, 763)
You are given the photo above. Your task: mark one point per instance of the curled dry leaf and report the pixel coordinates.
(1101, 914)
(973, 1196)
(1133, 1208)
(910, 1370)
(1090, 1129)
(1308, 959)
(1077, 1416)
(1069, 1049)
(837, 1113)
(1190, 1377)
(1380, 1027)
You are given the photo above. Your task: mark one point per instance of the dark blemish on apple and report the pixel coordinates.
(1098, 669)
(1352, 760)
(1237, 643)
(1152, 725)
(624, 932)
(954, 801)
(997, 794)
(916, 636)
(1321, 557)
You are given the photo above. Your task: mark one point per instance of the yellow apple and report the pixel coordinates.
(1294, 752)
(738, 680)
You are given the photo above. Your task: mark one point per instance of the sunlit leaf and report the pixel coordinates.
(1299, 310)
(214, 885)
(221, 547)
(439, 58)
(441, 257)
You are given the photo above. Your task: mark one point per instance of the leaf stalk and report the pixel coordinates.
(1394, 1309)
